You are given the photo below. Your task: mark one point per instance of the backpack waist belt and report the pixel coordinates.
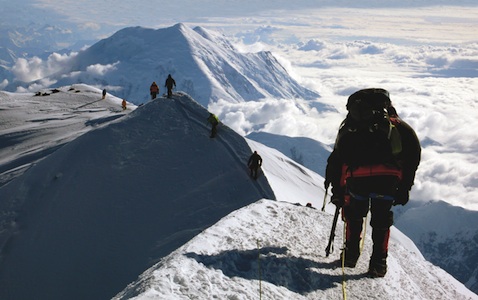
(372, 196)
(368, 171)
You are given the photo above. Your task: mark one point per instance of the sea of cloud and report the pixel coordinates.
(441, 108)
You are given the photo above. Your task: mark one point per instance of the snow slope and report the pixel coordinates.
(106, 206)
(452, 244)
(276, 250)
(33, 126)
(93, 215)
(305, 151)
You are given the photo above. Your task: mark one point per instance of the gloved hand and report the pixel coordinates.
(402, 196)
(338, 200)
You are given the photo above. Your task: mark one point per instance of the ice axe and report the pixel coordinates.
(326, 185)
(330, 245)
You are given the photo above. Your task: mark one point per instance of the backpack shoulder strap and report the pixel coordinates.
(395, 138)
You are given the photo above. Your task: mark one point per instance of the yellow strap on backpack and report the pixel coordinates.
(395, 140)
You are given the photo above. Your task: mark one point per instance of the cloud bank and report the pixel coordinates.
(35, 68)
(421, 80)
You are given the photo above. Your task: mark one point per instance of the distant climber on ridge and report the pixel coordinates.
(169, 84)
(254, 162)
(214, 121)
(154, 90)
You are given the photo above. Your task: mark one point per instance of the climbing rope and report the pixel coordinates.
(259, 267)
(364, 232)
(344, 279)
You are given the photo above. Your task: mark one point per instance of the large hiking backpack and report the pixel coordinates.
(367, 136)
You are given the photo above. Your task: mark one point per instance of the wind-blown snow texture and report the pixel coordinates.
(33, 126)
(86, 220)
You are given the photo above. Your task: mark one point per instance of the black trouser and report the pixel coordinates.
(374, 194)
(214, 130)
(254, 169)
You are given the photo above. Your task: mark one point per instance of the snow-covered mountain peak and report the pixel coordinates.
(215, 37)
(204, 64)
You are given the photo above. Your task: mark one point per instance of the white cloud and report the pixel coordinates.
(35, 68)
(279, 116)
(74, 74)
(28, 70)
(101, 70)
(36, 86)
(89, 25)
(3, 84)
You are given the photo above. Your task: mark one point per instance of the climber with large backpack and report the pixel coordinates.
(372, 167)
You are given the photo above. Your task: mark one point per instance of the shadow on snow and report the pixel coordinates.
(297, 274)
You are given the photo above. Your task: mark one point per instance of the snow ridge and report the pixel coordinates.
(106, 206)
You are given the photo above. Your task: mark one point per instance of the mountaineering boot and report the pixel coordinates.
(352, 243)
(350, 259)
(378, 260)
(377, 267)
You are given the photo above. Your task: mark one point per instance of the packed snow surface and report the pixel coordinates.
(275, 250)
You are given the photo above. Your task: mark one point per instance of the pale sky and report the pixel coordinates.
(427, 21)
